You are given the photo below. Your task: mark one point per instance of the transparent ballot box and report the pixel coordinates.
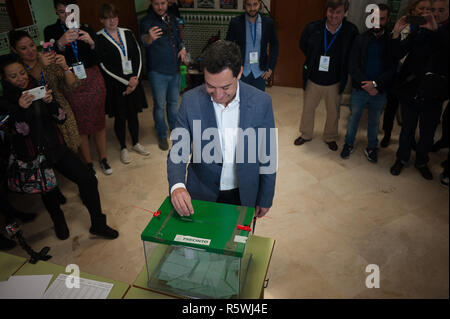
(203, 256)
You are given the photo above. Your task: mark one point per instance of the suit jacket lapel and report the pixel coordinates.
(245, 108)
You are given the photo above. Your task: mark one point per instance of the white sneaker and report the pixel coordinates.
(138, 148)
(125, 156)
(107, 170)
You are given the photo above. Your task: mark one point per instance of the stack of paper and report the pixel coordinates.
(88, 289)
(200, 274)
(24, 287)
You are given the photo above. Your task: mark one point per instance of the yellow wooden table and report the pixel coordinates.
(9, 264)
(45, 268)
(261, 250)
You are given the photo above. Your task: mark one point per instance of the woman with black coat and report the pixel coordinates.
(35, 132)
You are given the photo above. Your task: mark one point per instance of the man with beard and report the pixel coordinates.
(253, 33)
(165, 50)
(372, 68)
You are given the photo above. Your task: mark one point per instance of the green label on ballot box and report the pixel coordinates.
(213, 227)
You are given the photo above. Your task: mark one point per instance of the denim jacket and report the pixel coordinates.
(162, 54)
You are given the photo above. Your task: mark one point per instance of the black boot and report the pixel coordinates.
(6, 244)
(61, 198)
(100, 228)
(59, 221)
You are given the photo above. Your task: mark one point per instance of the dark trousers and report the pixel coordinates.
(133, 127)
(231, 197)
(444, 138)
(390, 113)
(71, 167)
(427, 116)
(5, 208)
(258, 83)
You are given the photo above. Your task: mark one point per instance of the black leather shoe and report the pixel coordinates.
(300, 141)
(425, 172)
(103, 230)
(396, 170)
(332, 146)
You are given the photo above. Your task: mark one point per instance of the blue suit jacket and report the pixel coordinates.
(237, 33)
(203, 179)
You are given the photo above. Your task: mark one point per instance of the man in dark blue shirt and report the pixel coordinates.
(372, 68)
(164, 49)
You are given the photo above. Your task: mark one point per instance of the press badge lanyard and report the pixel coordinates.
(254, 55)
(328, 47)
(78, 68)
(324, 65)
(120, 43)
(127, 66)
(42, 79)
(254, 35)
(74, 44)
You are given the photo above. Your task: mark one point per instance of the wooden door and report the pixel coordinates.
(291, 17)
(127, 13)
(19, 13)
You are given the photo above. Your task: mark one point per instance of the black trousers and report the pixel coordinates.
(427, 115)
(390, 112)
(133, 127)
(71, 167)
(231, 197)
(444, 138)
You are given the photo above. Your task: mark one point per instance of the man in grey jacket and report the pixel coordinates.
(228, 127)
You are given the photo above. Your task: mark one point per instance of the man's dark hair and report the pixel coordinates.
(222, 55)
(63, 2)
(384, 7)
(334, 4)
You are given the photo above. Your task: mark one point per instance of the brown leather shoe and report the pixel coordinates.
(300, 141)
(332, 146)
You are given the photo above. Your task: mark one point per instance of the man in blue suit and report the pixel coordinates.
(253, 33)
(226, 133)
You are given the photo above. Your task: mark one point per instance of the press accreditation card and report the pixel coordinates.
(79, 70)
(127, 67)
(324, 65)
(254, 58)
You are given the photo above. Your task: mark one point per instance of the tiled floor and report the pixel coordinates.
(331, 217)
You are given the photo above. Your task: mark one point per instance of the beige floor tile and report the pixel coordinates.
(330, 219)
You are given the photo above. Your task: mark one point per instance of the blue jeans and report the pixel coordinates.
(165, 89)
(358, 102)
(258, 83)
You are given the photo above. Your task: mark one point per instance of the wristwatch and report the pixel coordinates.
(374, 84)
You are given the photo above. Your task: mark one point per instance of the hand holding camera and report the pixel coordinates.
(68, 37)
(155, 33)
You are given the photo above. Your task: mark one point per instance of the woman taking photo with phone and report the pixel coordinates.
(121, 63)
(49, 69)
(88, 100)
(36, 140)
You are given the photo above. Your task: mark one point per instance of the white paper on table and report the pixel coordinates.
(89, 289)
(24, 287)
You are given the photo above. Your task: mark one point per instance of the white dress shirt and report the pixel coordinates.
(228, 126)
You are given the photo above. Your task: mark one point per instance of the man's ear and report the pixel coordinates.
(240, 73)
